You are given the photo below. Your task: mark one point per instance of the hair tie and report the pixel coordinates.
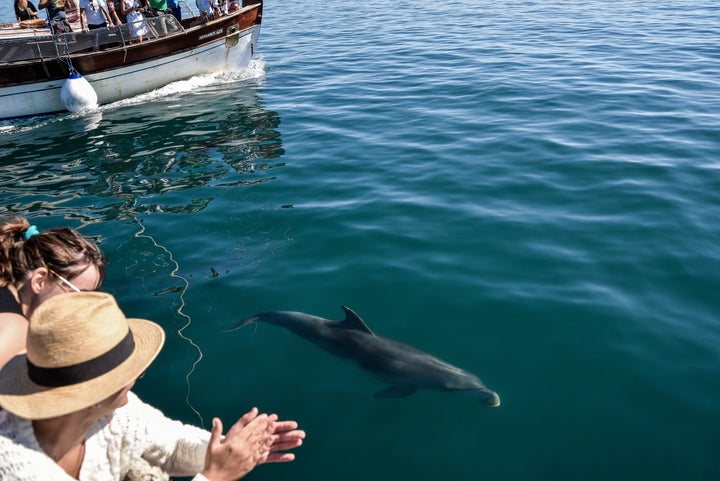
(31, 231)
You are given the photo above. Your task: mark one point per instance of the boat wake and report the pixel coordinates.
(255, 70)
(90, 119)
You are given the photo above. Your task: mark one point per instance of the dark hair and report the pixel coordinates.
(62, 250)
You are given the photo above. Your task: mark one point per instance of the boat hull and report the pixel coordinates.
(227, 44)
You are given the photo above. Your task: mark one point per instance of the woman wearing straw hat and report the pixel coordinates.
(69, 413)
(35, 266)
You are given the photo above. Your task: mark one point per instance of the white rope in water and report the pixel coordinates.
(180, 312)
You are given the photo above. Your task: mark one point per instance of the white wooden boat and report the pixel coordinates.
(34, 64)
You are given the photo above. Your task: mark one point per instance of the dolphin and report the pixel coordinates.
(404, 367)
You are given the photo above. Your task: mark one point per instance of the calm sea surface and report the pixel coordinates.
(529, 190)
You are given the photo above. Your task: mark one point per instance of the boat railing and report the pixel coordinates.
(192, 16)
(41, 44)
(163, 25)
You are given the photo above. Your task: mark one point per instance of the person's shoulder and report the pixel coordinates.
(8, 303)
(14, 430)
(126, 420)
(136, 408)
(4, 291)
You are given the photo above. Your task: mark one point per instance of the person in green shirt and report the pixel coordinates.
(160, 11)
(159, 6)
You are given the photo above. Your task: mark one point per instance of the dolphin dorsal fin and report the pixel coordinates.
(353, 321)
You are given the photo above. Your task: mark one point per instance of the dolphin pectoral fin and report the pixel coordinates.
(353, 321)
(395, 391)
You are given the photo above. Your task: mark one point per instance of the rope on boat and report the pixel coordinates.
(67, 60)
(186, 285)
(66, 57)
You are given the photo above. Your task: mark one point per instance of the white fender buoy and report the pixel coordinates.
(77, 94)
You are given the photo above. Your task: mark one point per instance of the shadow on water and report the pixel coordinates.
(120, 160)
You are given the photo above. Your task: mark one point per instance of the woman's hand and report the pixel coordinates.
(247, 444)
(286, 436)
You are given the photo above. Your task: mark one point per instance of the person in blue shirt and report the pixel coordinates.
(175, 9)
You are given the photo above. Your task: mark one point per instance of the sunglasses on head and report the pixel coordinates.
(65, 281)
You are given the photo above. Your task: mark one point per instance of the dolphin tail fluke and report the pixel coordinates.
(396, 391)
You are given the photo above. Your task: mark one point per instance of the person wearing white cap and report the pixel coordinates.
(68, 412)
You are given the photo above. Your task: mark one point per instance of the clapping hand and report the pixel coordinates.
(254, 439)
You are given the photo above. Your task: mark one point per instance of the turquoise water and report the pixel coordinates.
(529, 190)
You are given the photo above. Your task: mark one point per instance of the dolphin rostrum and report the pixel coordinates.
(404, 367)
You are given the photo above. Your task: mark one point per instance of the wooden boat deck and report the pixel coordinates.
(18, 45)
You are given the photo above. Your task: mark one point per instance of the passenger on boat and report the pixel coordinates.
(35, 266)
(56, 15)
(115, 9)
(132, 9)
(25, 10)
(160, 9)
(208, 7)
(175, 9)
(68, 408)
(94, 15)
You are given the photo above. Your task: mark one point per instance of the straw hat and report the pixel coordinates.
(81, 349)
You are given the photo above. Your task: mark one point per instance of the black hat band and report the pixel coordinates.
(84, 371)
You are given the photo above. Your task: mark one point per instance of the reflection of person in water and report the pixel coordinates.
(245, 147)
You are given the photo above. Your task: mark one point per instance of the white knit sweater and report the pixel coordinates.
(135, 442)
